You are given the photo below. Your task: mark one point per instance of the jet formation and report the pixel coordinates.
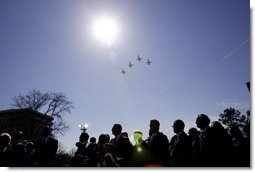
(139, 59)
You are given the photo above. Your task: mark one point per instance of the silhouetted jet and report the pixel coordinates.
(139, 58)
(130, 65)
(148, 62)
(123, 71)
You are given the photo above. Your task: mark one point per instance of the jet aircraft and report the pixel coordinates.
(148, 62)
(123, 71)
(139, 58)
(130, 65)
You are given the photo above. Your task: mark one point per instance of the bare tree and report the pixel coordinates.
(51, 104)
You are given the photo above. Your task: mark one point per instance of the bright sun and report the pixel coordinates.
(106, 30)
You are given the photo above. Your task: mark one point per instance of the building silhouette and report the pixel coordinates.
(28, 121)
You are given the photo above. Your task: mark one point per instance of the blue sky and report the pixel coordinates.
(200, 53)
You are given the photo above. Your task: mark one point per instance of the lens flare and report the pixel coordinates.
(139, 149)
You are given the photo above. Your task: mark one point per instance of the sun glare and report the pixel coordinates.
(106, 30)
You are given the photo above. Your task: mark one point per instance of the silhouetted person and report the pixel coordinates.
(241, 148)
(181, 149)
(46, 148)
(158, 144)
(102, 140)
(17, 137)
(81, 154)
(205, 140)
(171, 144)
(124, 147)
(19, 154)
(110, 157)
(221, 145)
(108, 138)
(92, 153)
(146, 142)
(18, 146)
(30, 154)
(194, 137)
(6, 152)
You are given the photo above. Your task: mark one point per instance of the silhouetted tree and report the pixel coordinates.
(246, 128)
(232, 117)
(247, 121)
(51, 104)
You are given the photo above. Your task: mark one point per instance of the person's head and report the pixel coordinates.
(217, 126)
(193, 132)
(92, 139)
(116, 129)
(46, 131)
(84, 137)
(5, 139)
(103, 138)
(178, 126)
(154, 126)
(202, 121)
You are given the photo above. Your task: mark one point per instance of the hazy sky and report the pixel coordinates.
(200, 53)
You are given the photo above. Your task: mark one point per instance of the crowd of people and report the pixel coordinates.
(211, 146)
(17, 152)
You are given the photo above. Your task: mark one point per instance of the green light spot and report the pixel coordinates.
(139, 149)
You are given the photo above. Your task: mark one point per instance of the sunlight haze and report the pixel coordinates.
(199, 51)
